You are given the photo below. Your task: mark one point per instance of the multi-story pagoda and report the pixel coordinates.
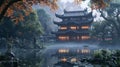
(74, 25)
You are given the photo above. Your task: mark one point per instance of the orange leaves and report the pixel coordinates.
(78, 1)
(15, 8)
(96, 4)
(54, 5)
(25, 6)
(99, 4)
(23, 0)
(1, 8)
(27, 13)
(18, 19)
(18, 6)
(51, 3)
(21, 17)
(9, 12)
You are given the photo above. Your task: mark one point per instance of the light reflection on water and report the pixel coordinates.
(51, 49)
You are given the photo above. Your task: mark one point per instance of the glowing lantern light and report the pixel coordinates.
(63, 37)
(85, 37)
(73, 27)
(63, 28)
(64, 59)
(73, 60)
(85, 27)
(63, 50)
(85, 50)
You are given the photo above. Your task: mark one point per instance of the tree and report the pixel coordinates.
(28, 29)
(103, 30)
(8, 7)
(113, 16)
(45, 20)
(101, 57)
(111, 24)
(7, 30)
(97, 29)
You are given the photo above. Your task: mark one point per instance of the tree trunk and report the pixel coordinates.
(112, 22)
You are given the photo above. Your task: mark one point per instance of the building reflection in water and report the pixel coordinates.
(63, 51)
(72, 55)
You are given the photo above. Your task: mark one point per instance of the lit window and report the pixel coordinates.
(85, 37)
(73, 60)
(85, 27)
(63, 38)
(85, 51)
(63, 28)
(63, 50)
(73, 27)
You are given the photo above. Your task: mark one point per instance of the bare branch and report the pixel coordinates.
(102, 14)
(118, 13)
(110, 20)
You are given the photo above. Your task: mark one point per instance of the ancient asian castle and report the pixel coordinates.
(74, 25)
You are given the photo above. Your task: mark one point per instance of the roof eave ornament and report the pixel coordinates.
(65, 11)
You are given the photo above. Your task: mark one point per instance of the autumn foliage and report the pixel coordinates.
(11, 8)
(99, 4)
(78, 1)
(96, 4)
